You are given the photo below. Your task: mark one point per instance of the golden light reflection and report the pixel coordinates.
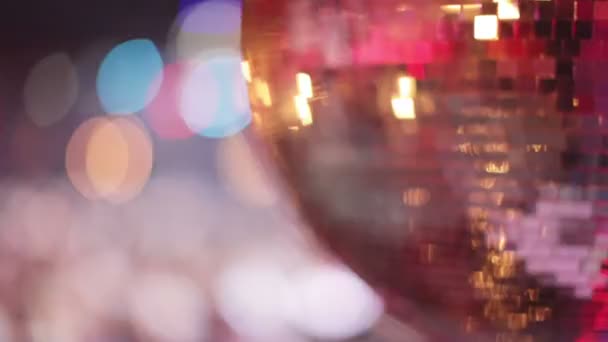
(481, 280)
(502, 242)
(262, 92)
(304, 83)
(537, 148)
(403, 108)
(475, 149)
(303, 110)
(257, 119)
(416, 197)
(246, 69)
(533, 294)
(468, 148)
(503, 272)
(503, 300)
(452, 9)
(540, 314)
(517, 321)
(477, 213)
(486, 27)
(497, 167)
(507, 10)
(406, 86)
(471, 6)
(496, 148)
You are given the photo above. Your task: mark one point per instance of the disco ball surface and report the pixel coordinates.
(454, 154)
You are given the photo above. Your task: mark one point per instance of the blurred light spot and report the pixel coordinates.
(416, 197)
(212, 17)
(304, 83)
(242, 173)
(98, 281)
(205, 27)
(303, 110)
(75, 159)
(214, 100)
(507, 10)
(51, 89)
(56, 316)
(452, 9)
(168, 307)
(36, 223)
(407, 86)
(163, 113)
(403, 108)
(499, 168)
(262, 92)
(331, 302)
(140, 160)
(109, 159)
(486, 27)
(127, 75)
(246, 68)
(249, 298)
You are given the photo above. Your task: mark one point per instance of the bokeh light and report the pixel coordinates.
(75, 158)
(36, 222)
(140, 162)
(109, 158)
(507, 10)
(207, 26)
(242, 173)
(303, 110)
(246, 68)
(485, 27)
(304, 83)
(168, 307)
(51, 89)
(250, 296)
(331, 302)
(56, 315)
(214, 100)
(97, 282)
(127, 78)
(403, 108)
(212, 17)
(163, 113)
